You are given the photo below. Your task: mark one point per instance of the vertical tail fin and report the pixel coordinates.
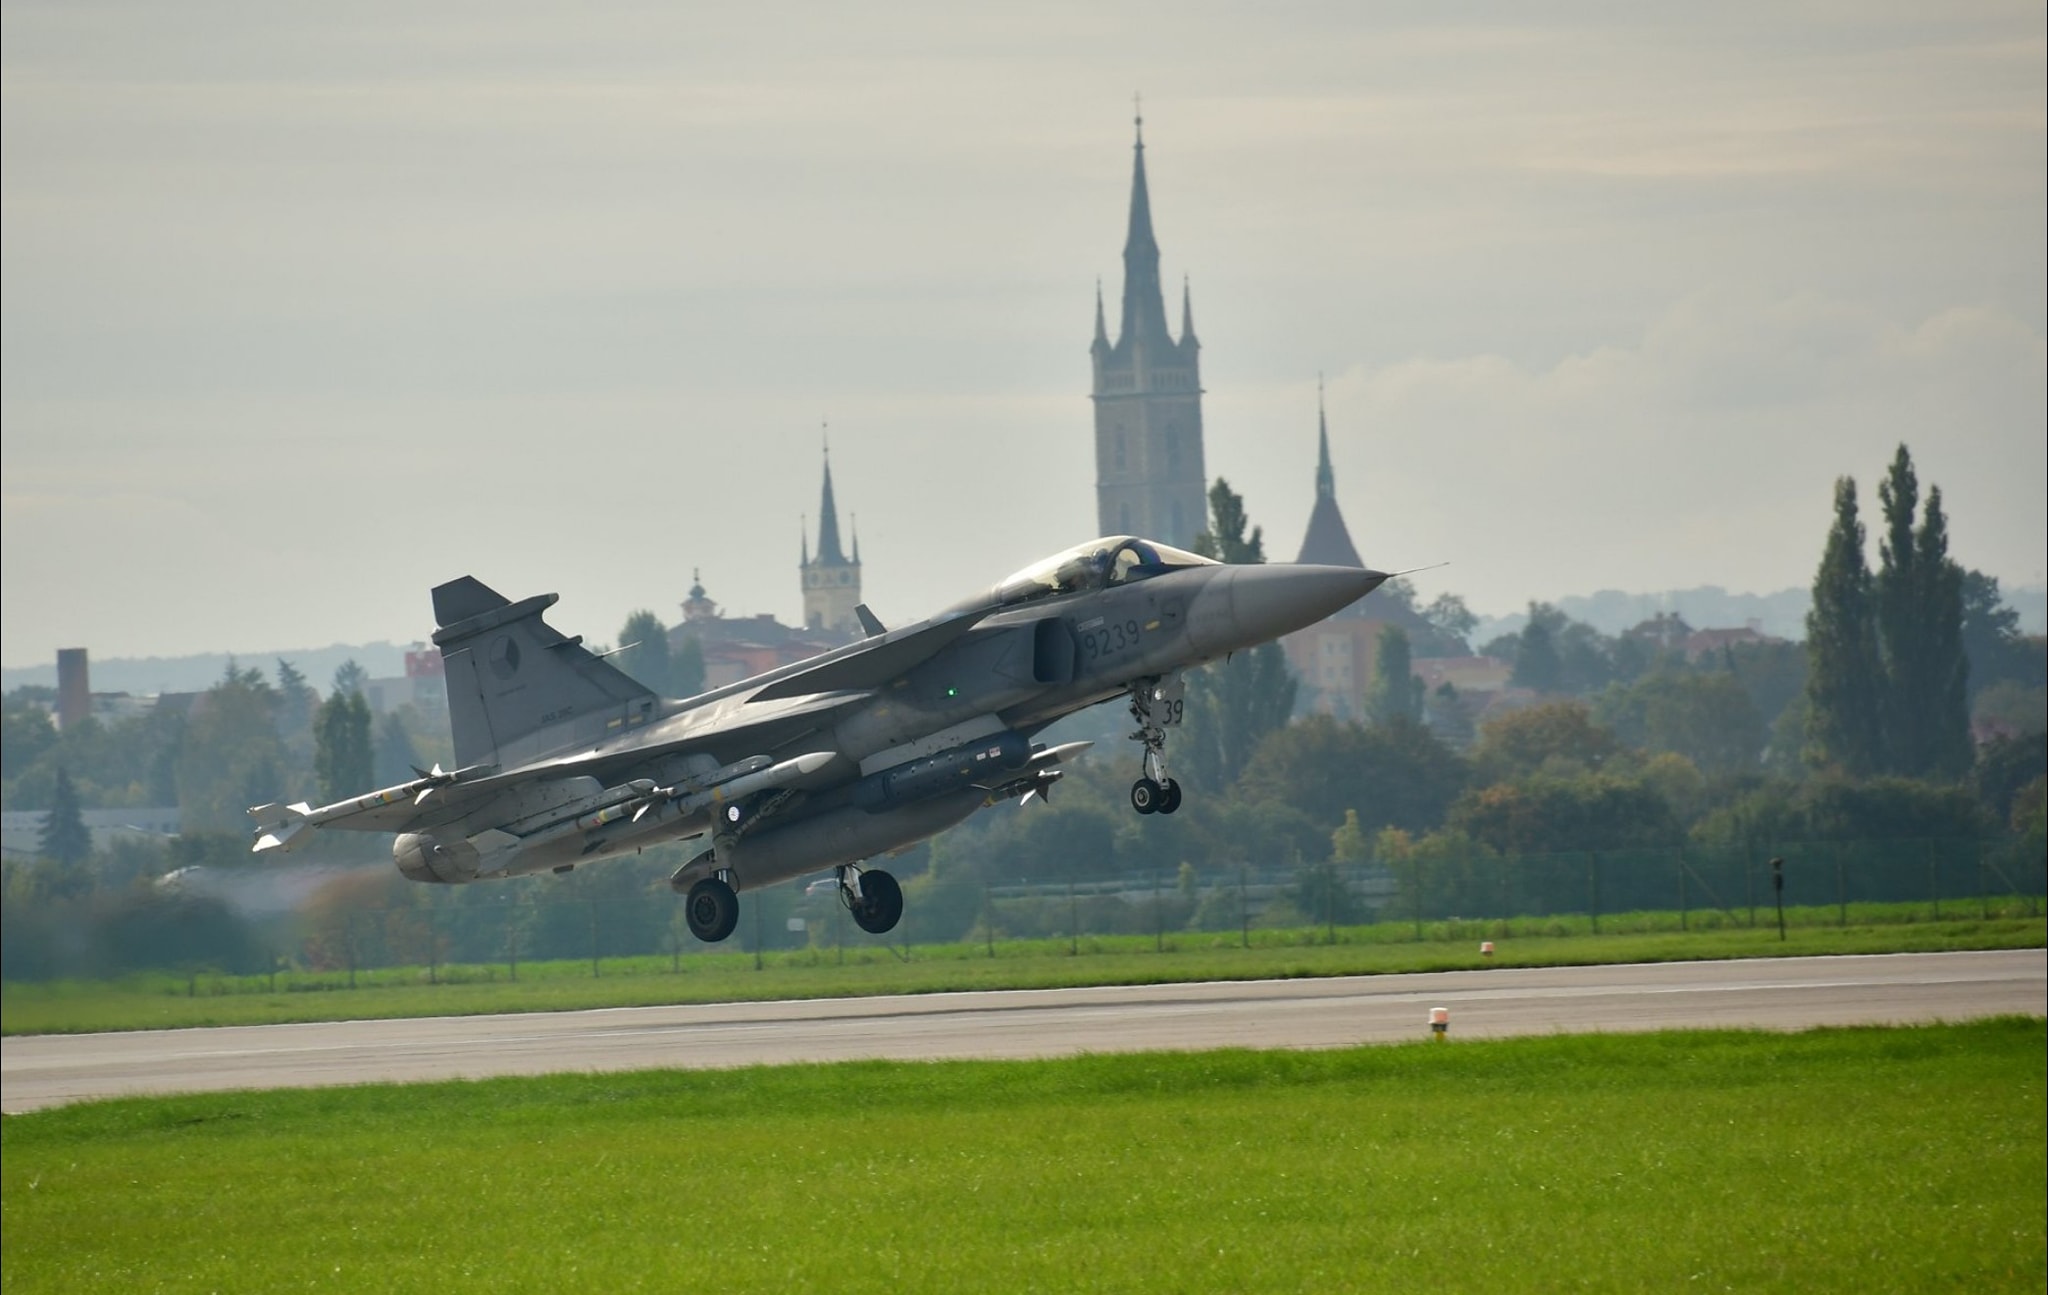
(517, 687)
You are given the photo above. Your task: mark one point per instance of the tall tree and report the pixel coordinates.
(1843, 672)
(1919, 596)
(1991, 636)
(686, 668)
(644, 652)
(1537, 663)
(65, 838)
(343, 760)
(350, 677)
(227, 750)
(1395, 693)
(295, 702)
(1233, 704)
(395, 757)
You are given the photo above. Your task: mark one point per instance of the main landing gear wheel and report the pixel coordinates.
(1169, 799)
(712, 910)
(1150, 797)
(877, 905)
(1146, 796)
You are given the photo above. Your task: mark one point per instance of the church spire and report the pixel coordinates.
(1187, 313)
(1326, 480)
(1144, 301)
(1101, 329)
(829, 552)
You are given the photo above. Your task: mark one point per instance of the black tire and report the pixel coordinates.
(712, 910)
(880, 905)
(1145, 796)
(1169, 799)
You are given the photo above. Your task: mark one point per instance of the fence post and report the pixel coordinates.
(512, 941)
(593, 938)
(1841, 885)
(1983, 900)
(1749, 880)
(1073, 922)
(1593, 886)
(1158, 916)
(1330, 904)
(1683, 916)
(1244, 907)
(351, 941)
(756, 906)
(1415, 867)
(433, 949)
(1934, 877)
(988, 912)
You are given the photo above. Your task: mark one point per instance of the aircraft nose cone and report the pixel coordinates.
(1261, 603)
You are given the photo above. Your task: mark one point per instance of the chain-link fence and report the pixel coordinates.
(623, 918)
(966, 911)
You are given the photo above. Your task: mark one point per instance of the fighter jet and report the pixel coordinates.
(822, 765)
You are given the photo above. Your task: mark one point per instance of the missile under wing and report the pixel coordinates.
(561, 758)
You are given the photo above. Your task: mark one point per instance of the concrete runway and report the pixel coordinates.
(1771, 993)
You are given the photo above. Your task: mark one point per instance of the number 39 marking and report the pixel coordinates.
(1172, 711)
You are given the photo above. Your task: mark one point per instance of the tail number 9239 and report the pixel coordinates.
(1099, 642)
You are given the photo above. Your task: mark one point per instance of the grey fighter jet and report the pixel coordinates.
(562, 758)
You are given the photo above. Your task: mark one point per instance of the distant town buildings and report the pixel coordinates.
(739, 647)
(423, 685)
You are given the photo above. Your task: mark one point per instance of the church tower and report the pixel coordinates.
(1149, 478)
(831, 580)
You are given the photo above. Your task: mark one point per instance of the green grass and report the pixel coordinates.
(1843, 1159)
(169, 1001)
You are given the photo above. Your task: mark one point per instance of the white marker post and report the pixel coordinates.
(1486, 948)
(1439, 1022)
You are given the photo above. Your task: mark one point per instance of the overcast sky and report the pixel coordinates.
(308, 308)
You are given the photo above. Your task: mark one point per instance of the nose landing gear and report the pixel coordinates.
(1156, 705)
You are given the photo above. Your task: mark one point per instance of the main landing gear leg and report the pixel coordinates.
(872, 896)
(1155, 704)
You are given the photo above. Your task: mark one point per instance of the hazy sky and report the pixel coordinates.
(308, 308)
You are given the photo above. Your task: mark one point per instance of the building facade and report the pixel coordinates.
(1149, 476)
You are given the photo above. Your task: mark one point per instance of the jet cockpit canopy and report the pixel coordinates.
(1098, 564)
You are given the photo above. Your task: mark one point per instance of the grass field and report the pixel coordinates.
(1849, 1159)
(166, 1001)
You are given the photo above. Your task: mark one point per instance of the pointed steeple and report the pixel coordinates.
(1144, 300)
(856, 539)
(1101, 328)
(829, 552)
(1328, 540)
(803, 538)
(1187, 314)
(1326, 480)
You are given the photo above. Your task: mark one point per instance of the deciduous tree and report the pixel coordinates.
(1395, 693)
(644, 654)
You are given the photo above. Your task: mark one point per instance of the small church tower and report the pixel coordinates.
(1149, 478)
(831, 580)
